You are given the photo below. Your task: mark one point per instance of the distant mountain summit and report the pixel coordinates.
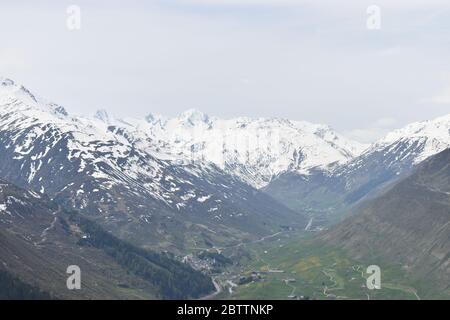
(18, 97)
(424, 139)
(255, 150)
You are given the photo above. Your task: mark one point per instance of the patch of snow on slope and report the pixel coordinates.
(434, 135)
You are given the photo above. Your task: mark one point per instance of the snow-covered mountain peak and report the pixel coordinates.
(431, 137)
(103, 116)
(193, 117)
(5, 82)
(15, 97)
(153, 118)
(12, 92)
(436, 128)
(401, 149)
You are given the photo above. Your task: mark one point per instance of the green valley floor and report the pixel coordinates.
(289, 266)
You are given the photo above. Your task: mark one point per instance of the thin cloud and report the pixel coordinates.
(244, 2)
(318, 3)
(387, 122)
(443, 97)
(374, 131)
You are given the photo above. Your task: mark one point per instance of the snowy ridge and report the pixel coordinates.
(433, 136)
(255, 150)
(396, 153)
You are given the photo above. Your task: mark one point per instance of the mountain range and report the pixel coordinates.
(255, 150)
(161, 188)
(108, 172)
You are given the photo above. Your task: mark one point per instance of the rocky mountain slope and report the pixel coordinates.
(407, 224)
(39, 240)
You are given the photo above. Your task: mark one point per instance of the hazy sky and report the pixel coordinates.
(304, 60)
